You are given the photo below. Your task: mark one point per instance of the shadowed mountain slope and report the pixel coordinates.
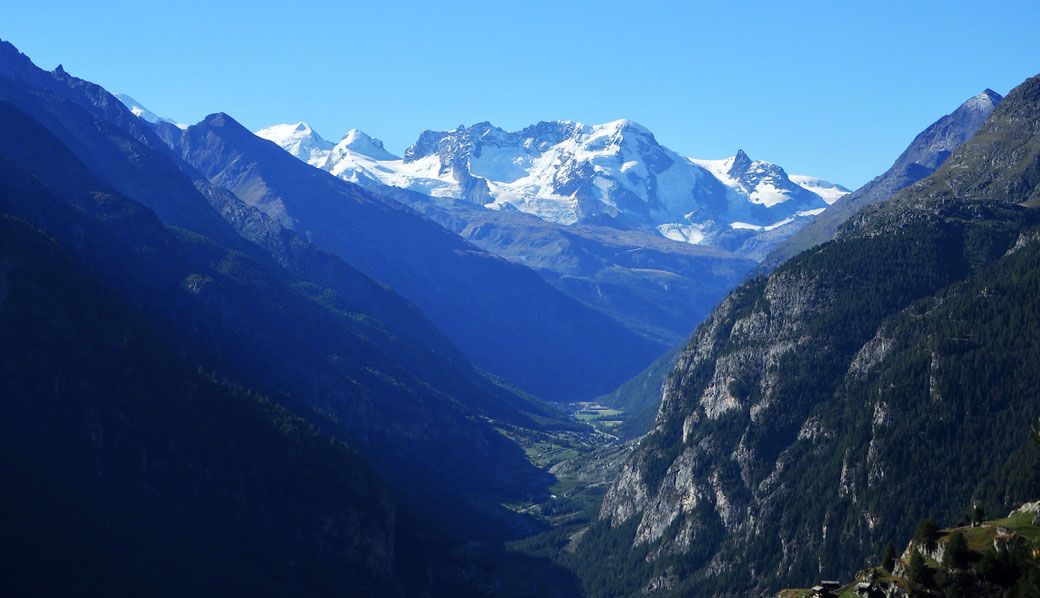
(503, 316)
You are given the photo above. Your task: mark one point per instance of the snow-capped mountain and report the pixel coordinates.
(299, 140)
(356, 142)
(144, 113)
(830, 192)
(571, 173)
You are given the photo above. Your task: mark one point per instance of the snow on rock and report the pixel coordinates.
(571, 173)
(830, 192)
(299, 140)
(984, 102)
(144, 113)
(359, 142)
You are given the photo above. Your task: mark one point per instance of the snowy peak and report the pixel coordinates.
(424, 146)
(360, 143)
(138, 110)
(932, 146)
(984, 102)
(624, 130)
(356, 158)
(830, 192)
(299, 140)
(567, 172)
(765, 184)
(449, 145)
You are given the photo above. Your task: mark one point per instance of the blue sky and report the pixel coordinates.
(832, 89)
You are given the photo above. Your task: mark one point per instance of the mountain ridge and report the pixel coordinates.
(464, 291)
(830, 394)
(568, 172)
(925, 154)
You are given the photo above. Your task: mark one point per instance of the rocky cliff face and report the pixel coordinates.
(817, 401)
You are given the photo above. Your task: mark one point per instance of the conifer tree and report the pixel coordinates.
(956, 554)
(915, 571)
(888, 560)
(927, 533)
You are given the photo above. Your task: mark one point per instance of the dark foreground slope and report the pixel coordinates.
(413, 410)
(861, 386)
(127, 471)
(257, 323)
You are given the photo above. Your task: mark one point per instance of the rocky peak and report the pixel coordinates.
(425, 145)
(999, 162)
(480, 129)
(299, 140)
(220, 120)
(741, 164)
(541, 136)
(985, 101)
(931, 148)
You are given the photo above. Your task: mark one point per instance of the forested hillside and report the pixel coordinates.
(863, 385)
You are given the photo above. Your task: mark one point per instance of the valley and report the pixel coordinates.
(520, 358)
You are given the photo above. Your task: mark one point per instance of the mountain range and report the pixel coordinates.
(166, 373)
(604, 213)
(640, 397)
(615, 174)
(823, 409)
(269, 364)
(485, 305)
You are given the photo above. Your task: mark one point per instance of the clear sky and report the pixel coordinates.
(833, 89)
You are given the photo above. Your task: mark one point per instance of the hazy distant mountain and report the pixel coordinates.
(504, 317)
(657, 287)
(603, 212)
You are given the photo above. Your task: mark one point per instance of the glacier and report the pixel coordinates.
(566, 172)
